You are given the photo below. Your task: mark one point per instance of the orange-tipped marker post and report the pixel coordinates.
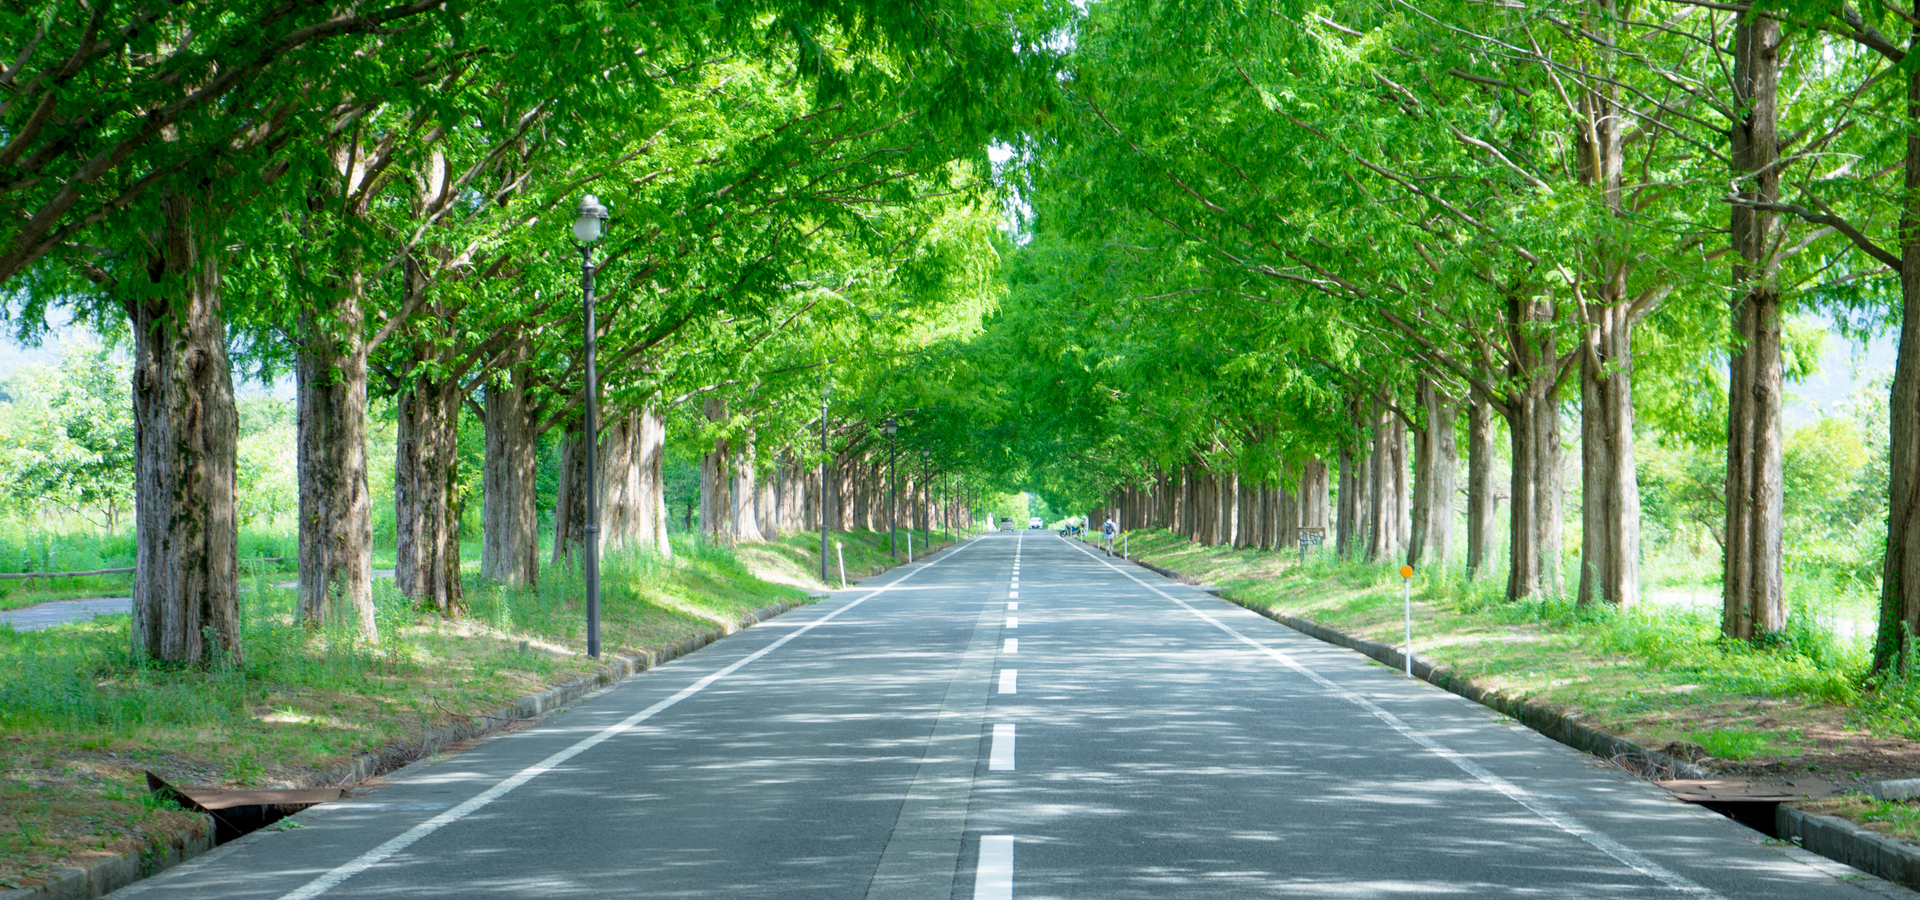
(1406, 595)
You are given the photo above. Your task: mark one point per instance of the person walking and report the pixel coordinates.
(1107, 533)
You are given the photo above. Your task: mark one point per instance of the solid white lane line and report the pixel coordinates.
(1011, 605)
(1627, 856)
(1000, 759)
(993, 880)
(1013, 621)
(1009, 681)
(408, 838)
(1013, 646)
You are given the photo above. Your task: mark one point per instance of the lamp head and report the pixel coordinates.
(589, 219)
(890, 427)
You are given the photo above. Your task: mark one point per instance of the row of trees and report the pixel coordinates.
(1360, 232)
(375, 197)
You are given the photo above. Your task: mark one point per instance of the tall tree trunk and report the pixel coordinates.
(1900, 578)
(1383, 512)
(1610, 506)
(1533, 425)
(570, 499)
(509, 513)
(426, 514)
(336, 521)
(745, 492)
(650, 459)
(1436, 456)
(1314, 483)
(716, 481)
(618, 471)
(1480, 512)
(766, 502)
(1754, 599)
(186, 608)
(1350, 537)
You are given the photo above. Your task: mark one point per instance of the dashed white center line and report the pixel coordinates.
(1013, 621)
(1013, 593)
(993, 880)
(1012, 605)
(1012, 646)
(1000, 758)
(1009, 681)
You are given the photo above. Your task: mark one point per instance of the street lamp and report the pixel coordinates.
(926, 524)
(826, 391)
(893, 488)
(588, 223)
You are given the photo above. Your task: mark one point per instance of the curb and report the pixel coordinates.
(104, 876)
(1834, 838)
(1844, 842)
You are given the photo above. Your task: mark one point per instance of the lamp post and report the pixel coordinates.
(826, 391)
(893, 489)
(587, 225)
(926, 523)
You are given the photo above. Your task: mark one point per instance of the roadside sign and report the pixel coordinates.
(1313, 536)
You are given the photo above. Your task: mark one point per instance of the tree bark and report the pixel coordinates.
(1754, 599)
(745, 493)
(1314, 483)
(650, 459)
(716, 481)
(1610, 508)
(1533, 424)
(426, 510)
(1355, 475)
(1900, 579)
(618, 471)
(570, 498)
(186, 606)
(1436, 458)
(1480, 511)
(336, 521)
(509, 515)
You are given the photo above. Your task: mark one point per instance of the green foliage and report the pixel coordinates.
(66, 437)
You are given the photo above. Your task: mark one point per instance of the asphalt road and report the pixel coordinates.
(1022, 718)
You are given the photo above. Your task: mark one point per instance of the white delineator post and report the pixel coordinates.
(1406, 595)
(839, 552)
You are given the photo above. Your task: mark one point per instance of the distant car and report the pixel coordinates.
(1006, 524)
(1036, 523)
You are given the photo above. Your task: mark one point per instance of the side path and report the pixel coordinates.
(776, 762)
(1173, 744)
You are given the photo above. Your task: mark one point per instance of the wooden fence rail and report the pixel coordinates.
(16, 576)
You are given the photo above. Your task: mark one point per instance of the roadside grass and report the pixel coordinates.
(80, 719)
(795, 559)
(1664, 678)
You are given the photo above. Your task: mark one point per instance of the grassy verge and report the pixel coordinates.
(1662, 678)
(80, 720)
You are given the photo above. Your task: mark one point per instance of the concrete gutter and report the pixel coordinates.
(1829, 836)
(104, 876)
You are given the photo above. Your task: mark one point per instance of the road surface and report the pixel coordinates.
(1018, 717)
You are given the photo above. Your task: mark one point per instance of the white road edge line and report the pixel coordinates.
(1000, 759)
(371, 858)
(1009, 681)
(993, 878)
(1627, 856)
